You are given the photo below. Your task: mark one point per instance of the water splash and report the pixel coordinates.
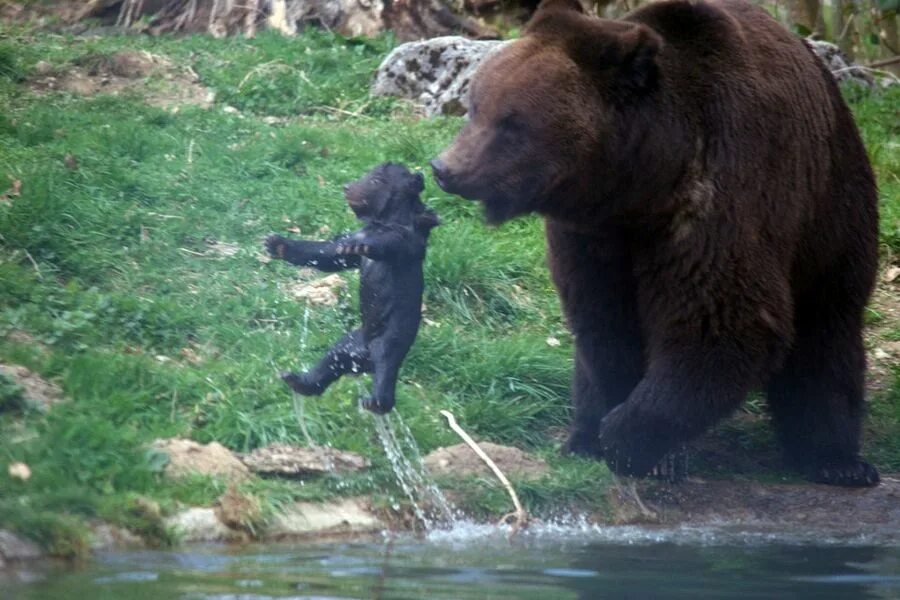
(429, 504)
(431, 492)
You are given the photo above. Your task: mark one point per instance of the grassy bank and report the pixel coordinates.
(130, 273)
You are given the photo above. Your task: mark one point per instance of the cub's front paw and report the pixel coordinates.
(358, 249)
(275, 245)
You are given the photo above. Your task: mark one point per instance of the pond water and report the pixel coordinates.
(548, 563)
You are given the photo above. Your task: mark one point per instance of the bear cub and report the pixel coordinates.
(389, 251)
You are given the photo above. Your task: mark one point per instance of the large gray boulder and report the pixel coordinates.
(842, 68)
(435, 73)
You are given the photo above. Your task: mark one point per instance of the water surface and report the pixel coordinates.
(548, 563)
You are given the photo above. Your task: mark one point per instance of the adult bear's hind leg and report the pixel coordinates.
(817, 399)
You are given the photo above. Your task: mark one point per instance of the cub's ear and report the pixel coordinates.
(417, 183)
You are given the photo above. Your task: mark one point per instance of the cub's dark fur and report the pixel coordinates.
(390, 251)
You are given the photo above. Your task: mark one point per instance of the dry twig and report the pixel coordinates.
(520, 515)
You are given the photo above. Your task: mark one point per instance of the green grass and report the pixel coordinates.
(110, 268)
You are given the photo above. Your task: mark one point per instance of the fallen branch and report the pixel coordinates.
(34, 264)
(520, 515)
(631, 491)
(884, 63)
(878, 72)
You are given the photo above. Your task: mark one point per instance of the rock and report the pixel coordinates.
(37, 392)
(433, 73)
(294, 461)
(461, 461)
(13, 547)
(19, 470)
(842, 68)
(322, 292)
(238, 510)
(345, 517)
(105, 536)
(200, 525)
(43, 68)
(187, 457)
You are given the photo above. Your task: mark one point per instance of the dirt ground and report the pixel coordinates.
(158, 80)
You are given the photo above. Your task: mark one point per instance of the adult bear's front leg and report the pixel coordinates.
(593, 275)
(674, 402)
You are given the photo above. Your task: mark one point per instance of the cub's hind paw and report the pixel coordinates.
(301, 384)
(373, 405)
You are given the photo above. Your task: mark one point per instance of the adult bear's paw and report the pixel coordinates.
(631, 445)
(582, 444)
(851, 473)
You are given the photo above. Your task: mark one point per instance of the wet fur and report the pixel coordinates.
(390, 251)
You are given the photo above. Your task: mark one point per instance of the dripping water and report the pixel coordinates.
(429, 504)
(300, 402)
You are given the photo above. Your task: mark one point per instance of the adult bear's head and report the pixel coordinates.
(544, 112)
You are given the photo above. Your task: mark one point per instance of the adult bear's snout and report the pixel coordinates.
(441, 173)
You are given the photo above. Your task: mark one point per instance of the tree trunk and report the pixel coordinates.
(408, 19)
(806, 17)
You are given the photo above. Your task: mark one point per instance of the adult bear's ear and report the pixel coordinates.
(549, 6)
(600, 45)
(555, 17)
(636, 50)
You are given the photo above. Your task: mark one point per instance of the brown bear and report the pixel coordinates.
(711, 218)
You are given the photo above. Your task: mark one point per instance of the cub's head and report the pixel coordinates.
(543, 110)
(390, 193)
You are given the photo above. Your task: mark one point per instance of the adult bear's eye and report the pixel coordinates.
(512, 124)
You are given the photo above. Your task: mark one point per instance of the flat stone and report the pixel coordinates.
(37, 392)
(14, 547)
(105, 536)
(345, 517)
(325, 291)
(294, 461)
(461, 461)
(200, 525)
(187, 457)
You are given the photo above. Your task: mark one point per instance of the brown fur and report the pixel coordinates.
(711, 220)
